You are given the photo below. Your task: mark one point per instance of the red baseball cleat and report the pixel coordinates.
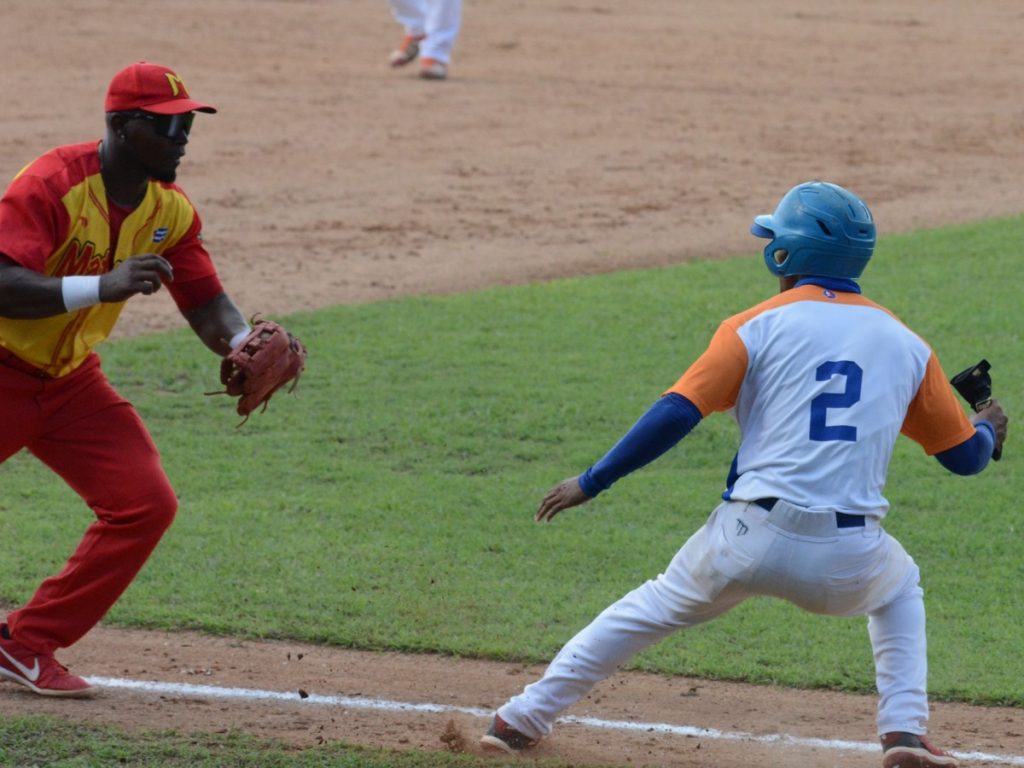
(39, 671)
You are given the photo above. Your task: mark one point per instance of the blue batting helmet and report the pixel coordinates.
(817, 229)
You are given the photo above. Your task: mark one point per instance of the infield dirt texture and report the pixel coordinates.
(574, 137)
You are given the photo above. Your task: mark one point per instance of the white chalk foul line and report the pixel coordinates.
(773, 738)
(253, 694)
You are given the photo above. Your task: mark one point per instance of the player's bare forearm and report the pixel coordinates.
(216, 322)
(563, 496)
(27, 295)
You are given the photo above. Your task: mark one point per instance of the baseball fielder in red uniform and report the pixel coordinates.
(84, 228)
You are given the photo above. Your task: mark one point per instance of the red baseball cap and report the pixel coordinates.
(151, 88)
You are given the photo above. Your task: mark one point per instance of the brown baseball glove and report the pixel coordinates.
(265, 361)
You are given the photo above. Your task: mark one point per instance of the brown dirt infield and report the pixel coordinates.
(574, 137)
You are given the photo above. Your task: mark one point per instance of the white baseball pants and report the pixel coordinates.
(742, 551)
(439, 20)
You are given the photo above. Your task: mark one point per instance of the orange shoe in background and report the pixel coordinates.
(432, 69)
(407, 51)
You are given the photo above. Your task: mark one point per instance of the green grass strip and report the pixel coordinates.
(44, 741)
(390, 506)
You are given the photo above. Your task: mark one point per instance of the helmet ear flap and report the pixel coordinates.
(776, 258)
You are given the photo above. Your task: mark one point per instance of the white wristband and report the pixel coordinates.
(80, 291)
(239, 337)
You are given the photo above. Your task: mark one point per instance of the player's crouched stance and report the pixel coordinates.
(821, 382)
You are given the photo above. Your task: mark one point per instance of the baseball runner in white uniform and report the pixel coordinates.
(821, 381)
(431, 28)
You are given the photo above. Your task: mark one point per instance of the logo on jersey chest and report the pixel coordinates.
(81, 259)
(160, 235)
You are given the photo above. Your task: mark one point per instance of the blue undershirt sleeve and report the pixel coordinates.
(666, 422)
(972, 455)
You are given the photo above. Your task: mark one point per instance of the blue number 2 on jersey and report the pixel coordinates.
(821, 404)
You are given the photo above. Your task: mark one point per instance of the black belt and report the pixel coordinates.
(843, 520)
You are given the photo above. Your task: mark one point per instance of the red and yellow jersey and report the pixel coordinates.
(821, 382)
(55, 219)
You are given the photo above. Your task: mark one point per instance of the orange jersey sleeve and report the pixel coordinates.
(713, 382)
(935, 418)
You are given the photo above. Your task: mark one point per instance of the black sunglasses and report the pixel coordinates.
(168, 126)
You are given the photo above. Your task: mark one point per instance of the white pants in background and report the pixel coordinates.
(742, 551)
(439, 20)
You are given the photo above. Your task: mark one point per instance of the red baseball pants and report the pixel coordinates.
(93, 438)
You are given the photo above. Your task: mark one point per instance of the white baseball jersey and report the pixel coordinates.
(819, 382)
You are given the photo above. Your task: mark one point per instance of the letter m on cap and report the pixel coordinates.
(177, 84)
